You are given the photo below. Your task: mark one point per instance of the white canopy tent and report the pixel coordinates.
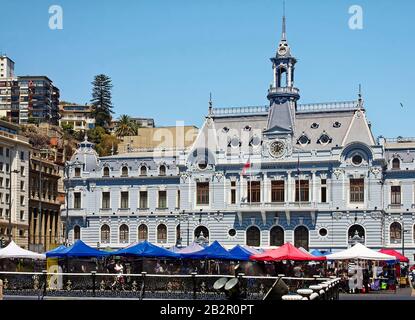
(360, 252)
(14, 251)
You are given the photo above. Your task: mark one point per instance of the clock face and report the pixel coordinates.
(277, 149)
(282, 50)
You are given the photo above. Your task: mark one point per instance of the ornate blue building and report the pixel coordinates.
(311, 174)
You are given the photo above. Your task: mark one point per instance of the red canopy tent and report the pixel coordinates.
(285, 252)
(394, 253)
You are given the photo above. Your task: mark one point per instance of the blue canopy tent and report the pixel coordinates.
(242, 253)
(147, 250)
(78, 249)
(319, 253)
(56, 250)
(214, 251)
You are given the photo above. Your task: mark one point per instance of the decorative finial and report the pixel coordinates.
(210, 103)
(360, 99)
(112, 148)
(86, 136)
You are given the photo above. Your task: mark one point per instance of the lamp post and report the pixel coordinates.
(68, 165)
(403, 238)
(183, 217)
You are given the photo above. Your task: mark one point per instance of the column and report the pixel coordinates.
(47, 233)
(52, 226)
(31, 225)
(314, 187)
(289, 187)
(42, 228)
(265, 196)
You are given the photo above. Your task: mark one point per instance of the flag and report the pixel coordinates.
(246, 166)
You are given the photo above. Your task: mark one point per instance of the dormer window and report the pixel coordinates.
(162, 170)
(357, 160)
(396, 164)
(143, 171)
(255, 141)
(225, 129)
(124, 171)
(77, 172)
(315, 125)
(303, 140)
(337, 124)
(234, 142)
(324, 139)
(247, 128)
(106, 172)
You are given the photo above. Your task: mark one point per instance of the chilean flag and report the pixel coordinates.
(246, 166)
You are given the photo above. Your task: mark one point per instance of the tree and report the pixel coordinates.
(107, 146)
(125, 127)
(101, 100)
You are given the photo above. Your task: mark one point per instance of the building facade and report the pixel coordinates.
(27, 99)
(78, 116)
(45, 201)
(310, 174)
(14, 184)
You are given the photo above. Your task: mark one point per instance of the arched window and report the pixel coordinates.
(106, 172)
(124, 233)
(282, 77)
(201, 235)
(124, 171)
(142, 232)
(396, 164)
(105, 234)
(143, 171)
(253, 237)
(161, 233)
(356, 234)
(395, 233)
(162, 170)
(276, 236)
(301, 237)
(76, 233)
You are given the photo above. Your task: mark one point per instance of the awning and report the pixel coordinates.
(286, 252)
(359, 252)
(194, 247)
(13, 251)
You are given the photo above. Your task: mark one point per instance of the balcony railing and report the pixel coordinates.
(328, 106)
(240, 110)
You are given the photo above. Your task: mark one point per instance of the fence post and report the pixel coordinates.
(1, 289)
(45, 282)
(194, 285)
(143, 286)
(245, 287)
(93, 274)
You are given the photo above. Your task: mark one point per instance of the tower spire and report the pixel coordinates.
(284, 33)
(210, 104)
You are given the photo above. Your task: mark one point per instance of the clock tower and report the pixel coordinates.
(283, 65)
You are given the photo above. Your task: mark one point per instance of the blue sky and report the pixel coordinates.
(164, 57)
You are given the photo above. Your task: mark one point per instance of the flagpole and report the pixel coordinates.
(250, 181)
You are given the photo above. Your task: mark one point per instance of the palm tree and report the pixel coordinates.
(125, 127)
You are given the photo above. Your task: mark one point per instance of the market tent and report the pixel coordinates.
(394, 253)
(317, 253)
(56, 250)
(359, 251)
(78, 249)
(285, 252)
(242, 253)
(194, 247)
(214, 251)
(14, 251)
(147, 250)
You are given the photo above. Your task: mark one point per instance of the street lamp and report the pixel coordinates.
(184, 217)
